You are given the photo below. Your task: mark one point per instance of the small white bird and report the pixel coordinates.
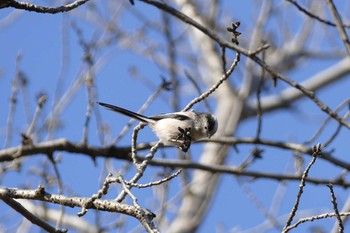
(175, 129)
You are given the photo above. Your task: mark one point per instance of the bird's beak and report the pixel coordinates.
(209, 135)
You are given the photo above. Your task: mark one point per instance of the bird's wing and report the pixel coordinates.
(178, 116)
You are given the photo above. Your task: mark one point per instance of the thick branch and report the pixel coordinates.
(123, 153)
(49, 147)
(239, 172)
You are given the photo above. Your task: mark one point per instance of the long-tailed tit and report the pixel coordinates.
(175, 129)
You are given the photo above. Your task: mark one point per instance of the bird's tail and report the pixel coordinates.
(126, 112)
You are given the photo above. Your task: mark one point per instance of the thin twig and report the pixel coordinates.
(40, 103)
(345, 209)
(333, 136)
(326, 121)
(13, 102)
(89, 89)
(53, 118)
(206, 30)
(60, 186)
(335, 208)
(313, 218)
(223, 59)
(126, 188)
(258, 50)
(23, 84)
(140, 169)
(215, 86)
(109, 179)
(102, 191)
(308, 93)
(260, 206)
(251, 158)
(339, 24)
(89, 79)
(140, 126)
(163, 86)
(172, 59)
(154, 183)
(198, 89)
(258, 97)
(251, 55)
(317, 151)
(42, 98)
(308, 13)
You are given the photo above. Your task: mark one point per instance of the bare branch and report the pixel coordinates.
(345, 209)
(170, 37)
(251, 55)
(317, 151)
(323, 126)
(140, 169)
(306, 92)
(258, 98)
(339, 24)
(308, 13)
(286, 97)
(139, 127)
(103, 205)
(153, 183)
(335, 207)
(198, 89)
(313, 218)
(42, 9)
(216, 86)
(123, 153)
(13, 101)
(165, 85)
(42, 98)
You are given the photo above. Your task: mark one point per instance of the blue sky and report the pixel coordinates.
(40, 39)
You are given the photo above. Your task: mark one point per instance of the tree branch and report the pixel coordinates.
(42, 9)
(251, 54)
(103, 205)
(123, 153)
(286, 97)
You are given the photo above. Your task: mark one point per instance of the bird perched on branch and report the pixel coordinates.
(175, 129)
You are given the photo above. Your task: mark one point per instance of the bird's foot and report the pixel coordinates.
(184, 136)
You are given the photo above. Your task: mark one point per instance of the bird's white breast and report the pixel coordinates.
(167, 130)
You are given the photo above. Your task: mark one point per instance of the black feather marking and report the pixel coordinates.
(211, 123)
(176, 116)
